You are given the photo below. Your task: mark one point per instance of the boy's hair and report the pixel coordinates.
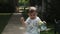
(32, 9)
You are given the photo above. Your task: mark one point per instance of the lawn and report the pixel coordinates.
(51, 31)
(4, 18)
(47, 32)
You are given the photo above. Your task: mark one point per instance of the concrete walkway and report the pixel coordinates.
(14, 25)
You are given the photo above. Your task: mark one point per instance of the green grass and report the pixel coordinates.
(3, 21)
(5, 14)
(48, 32)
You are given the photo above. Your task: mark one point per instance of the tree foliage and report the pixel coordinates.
(23, 1)
(52, 10)
(3, 1)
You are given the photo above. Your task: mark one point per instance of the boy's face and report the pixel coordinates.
(32, 15)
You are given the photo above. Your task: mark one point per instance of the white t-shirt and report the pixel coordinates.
(32, 25)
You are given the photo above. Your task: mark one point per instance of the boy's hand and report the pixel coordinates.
(40, 22)
(22, 19)
(44, 22)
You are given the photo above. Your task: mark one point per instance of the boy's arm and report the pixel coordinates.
(22, 20)
(40, 21)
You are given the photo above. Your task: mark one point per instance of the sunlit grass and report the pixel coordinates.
(47, 32)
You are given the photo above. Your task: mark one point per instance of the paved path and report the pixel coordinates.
(13, 26)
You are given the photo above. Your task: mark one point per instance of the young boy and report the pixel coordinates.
(32, 21)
